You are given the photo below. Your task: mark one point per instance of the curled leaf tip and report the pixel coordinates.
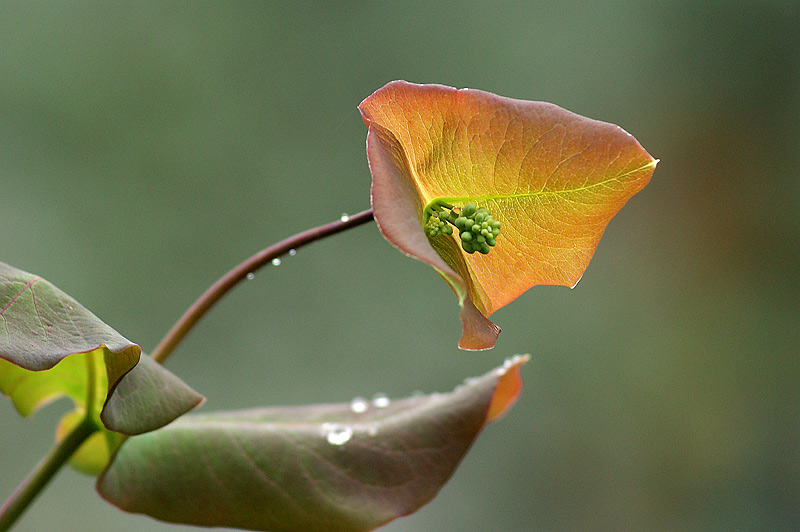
(508, 387)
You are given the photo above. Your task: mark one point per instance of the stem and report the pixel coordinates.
(47, 468)
(237, 274)
(91, 376)
(57, 457)
(30, 488)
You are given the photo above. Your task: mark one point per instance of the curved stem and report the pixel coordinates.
(47, 468)
(225, 283)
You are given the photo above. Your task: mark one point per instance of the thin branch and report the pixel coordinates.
(44, 472)
(240, 272)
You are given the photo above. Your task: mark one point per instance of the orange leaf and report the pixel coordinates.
(554, 180)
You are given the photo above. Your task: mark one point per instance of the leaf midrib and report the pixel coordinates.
(458, 199)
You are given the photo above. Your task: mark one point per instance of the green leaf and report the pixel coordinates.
(320, 468)
(31, 390)
(48, 342)
(148, 398)
(40, 326)
(554, 179)
(95, 453)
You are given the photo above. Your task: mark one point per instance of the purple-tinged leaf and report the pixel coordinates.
(39, 327)
(47, 341)
(148, 397)
(343, 467)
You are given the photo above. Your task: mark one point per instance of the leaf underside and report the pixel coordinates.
(314, 468)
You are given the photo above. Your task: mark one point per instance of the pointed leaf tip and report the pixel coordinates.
(554, 179)
(508, 388)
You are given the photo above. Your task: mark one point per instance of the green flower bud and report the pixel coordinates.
(477, 229)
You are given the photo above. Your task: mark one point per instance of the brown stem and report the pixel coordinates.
(240, 272)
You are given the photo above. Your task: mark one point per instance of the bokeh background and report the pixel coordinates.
(147, 147)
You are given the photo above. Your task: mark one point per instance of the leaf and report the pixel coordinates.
(554, 180)
(40, 326)
(47, 341)
(148, 398)
(95, 453)
(319, 468)
(31, 390)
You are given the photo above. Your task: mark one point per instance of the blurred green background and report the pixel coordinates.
(145, 148)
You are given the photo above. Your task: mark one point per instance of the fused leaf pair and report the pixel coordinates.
(552, 178)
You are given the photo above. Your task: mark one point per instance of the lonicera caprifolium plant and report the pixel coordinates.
(496, 194)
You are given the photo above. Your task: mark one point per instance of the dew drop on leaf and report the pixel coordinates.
(345, 217)
(359, 405)
(336, 434)
(380, 400)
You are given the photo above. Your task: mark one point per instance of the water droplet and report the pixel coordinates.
(336, 434)
(251, 276)
(359, 405)
(345, 217)
(379, 400)
(276, 261)
(292, 252)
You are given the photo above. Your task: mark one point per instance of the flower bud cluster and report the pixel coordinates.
(438, 223)
(477, 230)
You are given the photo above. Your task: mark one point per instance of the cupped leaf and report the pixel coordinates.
(147, 398)
(554, 179)
(49, 343)
(344, 467)
(40, 326)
